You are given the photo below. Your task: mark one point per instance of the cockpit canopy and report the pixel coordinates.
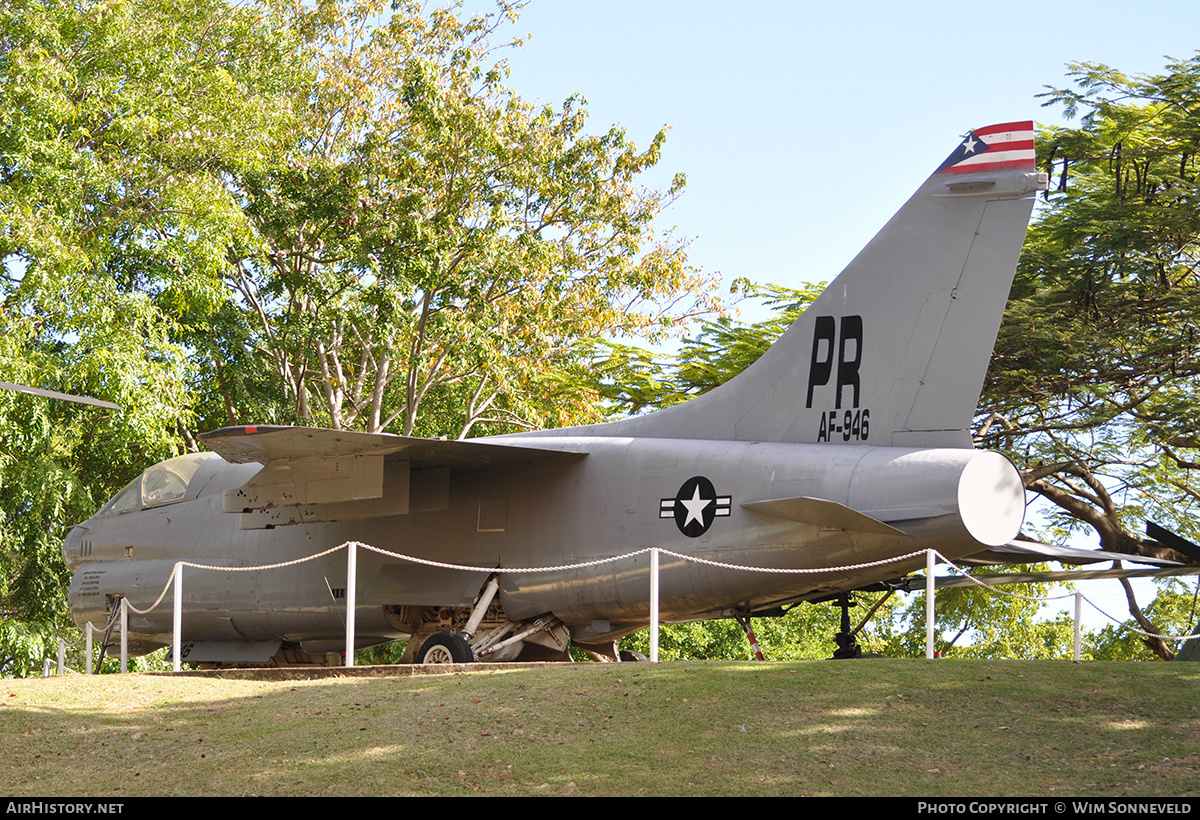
(163, 483)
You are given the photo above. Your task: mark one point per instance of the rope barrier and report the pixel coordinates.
(1046, 599)
(633, 554)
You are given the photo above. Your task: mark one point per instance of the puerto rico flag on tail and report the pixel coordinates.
(996, 147)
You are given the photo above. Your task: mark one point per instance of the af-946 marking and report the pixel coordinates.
(846, 425)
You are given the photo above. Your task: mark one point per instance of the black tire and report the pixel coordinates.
(629, 656)
(445, 647)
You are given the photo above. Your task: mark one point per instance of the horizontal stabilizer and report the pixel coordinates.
(916, 583)
(892, 516)
(1025, 552)
(822, 513)
(1172, 541)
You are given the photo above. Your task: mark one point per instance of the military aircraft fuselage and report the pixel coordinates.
(685, 497)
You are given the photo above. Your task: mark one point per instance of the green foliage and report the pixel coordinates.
(434, 246)
(804, 632)
(272, 211)
(57, 462)
(1173, 611)
(976, 623)
(632, 380)
(1093, 384)
(387, 653)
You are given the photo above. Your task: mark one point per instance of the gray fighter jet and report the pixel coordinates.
(847, 443)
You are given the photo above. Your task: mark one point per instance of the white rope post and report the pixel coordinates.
(654, 604)
(87, 642)
(177, 620)
(929, 604)
(1078, 636)
(351, 598)
(124, 635)
(62, 656)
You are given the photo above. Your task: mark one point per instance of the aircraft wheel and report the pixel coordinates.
(629, 656)
(445, 647)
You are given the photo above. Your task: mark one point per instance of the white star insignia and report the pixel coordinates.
(695, 507)
(969, 145)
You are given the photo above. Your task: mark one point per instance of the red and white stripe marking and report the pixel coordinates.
(1010, 144)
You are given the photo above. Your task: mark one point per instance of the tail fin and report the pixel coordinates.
(894, 352)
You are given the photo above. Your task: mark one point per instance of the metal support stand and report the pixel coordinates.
(847, 645)
(929, 587)
(1078, 654)
(124, 635)
(177, 620)
(351, 599)
(743, 620)
(654, 605)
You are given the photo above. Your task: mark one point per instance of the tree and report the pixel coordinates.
(433, 239)
(973, 622)
(1173, 612)
(343, 192)
(804, 632)
(1093, 384)
(272, 211)
(632, 380)
(119, 122)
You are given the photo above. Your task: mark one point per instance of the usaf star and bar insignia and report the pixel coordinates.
(695, 506)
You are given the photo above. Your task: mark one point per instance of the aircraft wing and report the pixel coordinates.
(1026, 552)
(265, 444)
(313, 474)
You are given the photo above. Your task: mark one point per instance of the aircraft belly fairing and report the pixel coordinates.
(846, 443)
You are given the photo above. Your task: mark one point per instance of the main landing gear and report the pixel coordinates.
(445, 647)
(486, 635)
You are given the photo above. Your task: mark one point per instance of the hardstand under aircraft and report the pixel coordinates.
(848, 442)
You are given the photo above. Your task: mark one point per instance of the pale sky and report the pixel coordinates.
(802, 127)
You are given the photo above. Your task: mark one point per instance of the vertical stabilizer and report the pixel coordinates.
(894, 352)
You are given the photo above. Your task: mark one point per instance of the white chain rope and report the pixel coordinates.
(467, 568)
(258, 568)
(1047, 599)
(642, 551)
(580, 565)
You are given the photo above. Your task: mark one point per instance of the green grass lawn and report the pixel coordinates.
(868, 727)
